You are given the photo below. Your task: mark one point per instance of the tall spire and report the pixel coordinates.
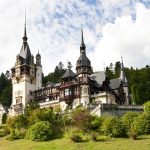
(25, 38)
(122, 73)
(82, 46)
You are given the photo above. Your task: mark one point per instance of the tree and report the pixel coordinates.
(117, 69)
(6, 96)
(147, 107)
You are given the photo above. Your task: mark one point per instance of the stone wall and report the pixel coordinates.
(114, 110)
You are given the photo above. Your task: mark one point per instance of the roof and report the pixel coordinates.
(115, 83)
(83, 60)
(99, 77)
(25, 51)
(49, 84)
(68, 73)
(57, 84)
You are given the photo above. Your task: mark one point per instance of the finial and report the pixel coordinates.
(82, 39)
(121, 58)
(122, 66)
(25, 32)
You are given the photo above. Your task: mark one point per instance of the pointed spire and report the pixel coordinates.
(122, 73)
(122, 66)
(25, 38)
(82, 46)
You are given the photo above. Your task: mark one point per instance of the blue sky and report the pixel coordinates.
(111, 28)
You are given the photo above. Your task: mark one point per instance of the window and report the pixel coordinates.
(18, 100)
(66, 92)
(84, 69)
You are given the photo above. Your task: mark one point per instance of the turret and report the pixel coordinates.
(83, 65)
(124, 82)
(23, 77)
(84, 69)
(38, 72)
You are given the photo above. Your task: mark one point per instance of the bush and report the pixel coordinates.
(94, 136)
(127, 120)
(4, 118)
(11, 122)
(47, 114)
(147, 107)
(76, 137)
(18, 122)
(141, 124)
(16, 134)
(40, 131)
(113, 127)
(96, 123)
(81, 119)
(4, 130)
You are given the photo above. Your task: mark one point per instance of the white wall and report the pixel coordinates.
(38, 77)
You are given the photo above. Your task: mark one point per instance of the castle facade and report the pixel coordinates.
(83, 87)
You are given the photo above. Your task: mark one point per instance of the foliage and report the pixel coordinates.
(16, 134)
(81, 118)
(4, 118)
(147, 107)
(113, 127)
(4, 130)
(5, 90)
(40, 131)
(56, 75)
(30, 107)
(47, 114)
(96, 122)
(76, 137)
(18, 122)
(141, 124)
(11, 122)
(127, 119)
(95, 136)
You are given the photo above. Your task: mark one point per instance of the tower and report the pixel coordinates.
(124, 82)
(38, 72)
(23, 77)
(84, 69)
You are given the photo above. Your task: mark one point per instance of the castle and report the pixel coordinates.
(81, 88)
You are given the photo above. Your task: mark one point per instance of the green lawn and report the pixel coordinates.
(143, 143)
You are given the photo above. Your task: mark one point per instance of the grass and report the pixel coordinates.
(143, 143)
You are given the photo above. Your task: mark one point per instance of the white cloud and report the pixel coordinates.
(125, 37)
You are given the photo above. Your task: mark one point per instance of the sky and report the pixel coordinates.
(112, 28)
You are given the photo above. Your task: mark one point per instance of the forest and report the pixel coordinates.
(138, 82)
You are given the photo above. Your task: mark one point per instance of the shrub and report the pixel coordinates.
(141, 124)
(94, 136)
(4, 118)
(96, 123)
(18, 122)
(47, 114)
(4, 130)
(147, 107)
(127, 119)
(11, 122)
(81, 119)
(113, 127)
(16, 134)
(40, 131)
(76, 137)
